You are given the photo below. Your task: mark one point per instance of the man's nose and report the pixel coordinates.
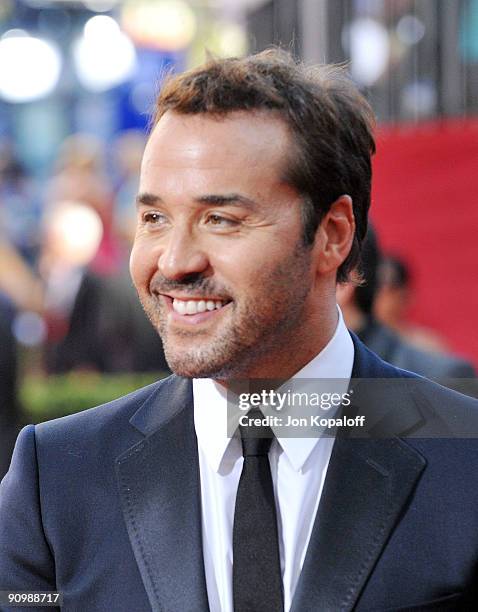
(182, 256)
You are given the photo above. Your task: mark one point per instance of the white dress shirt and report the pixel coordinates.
(298, 467)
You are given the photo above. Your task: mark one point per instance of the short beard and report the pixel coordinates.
(252, 334)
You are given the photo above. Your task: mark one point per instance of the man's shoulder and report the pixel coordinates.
(444, 397)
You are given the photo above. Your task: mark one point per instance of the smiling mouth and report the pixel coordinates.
(192, 307)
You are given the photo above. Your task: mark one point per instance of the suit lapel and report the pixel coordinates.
(160, 492)
(368, 484)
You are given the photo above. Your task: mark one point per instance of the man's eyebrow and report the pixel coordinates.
(229, 199)
(147, 199)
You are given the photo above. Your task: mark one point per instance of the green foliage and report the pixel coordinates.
(44, 398)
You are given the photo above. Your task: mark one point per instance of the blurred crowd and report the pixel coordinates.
(65, 291)
(64, 251)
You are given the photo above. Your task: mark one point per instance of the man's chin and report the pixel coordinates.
(198, 364)
(193, 370)
(186, 361)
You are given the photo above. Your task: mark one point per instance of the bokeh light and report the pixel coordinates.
(73, 233)
(29, 328)
(410, 30)
(369, 46)
(29, 67)
(163, 24)
(104, 56)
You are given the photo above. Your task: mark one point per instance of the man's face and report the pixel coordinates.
(218, 260)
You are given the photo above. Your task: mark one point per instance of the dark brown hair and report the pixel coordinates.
(330, 120)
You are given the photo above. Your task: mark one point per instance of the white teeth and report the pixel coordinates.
(192, 307)
(179, 306)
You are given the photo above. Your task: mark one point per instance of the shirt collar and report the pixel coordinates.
(335, 360)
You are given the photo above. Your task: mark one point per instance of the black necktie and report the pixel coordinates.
(256, 574)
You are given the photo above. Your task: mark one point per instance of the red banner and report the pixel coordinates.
(425, 209)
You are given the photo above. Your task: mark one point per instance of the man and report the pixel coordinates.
(392, 303)
(253, 200)
(358, 304)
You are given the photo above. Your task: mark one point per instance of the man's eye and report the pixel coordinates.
(220, 221)
(153, 218)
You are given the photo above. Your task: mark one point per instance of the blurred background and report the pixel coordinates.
(77, 82)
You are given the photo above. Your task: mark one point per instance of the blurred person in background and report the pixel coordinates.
(80, 176)
(78, 235)
(357, 301)
(392, 303)
(71, 234)
(94, 319)
(107, 330)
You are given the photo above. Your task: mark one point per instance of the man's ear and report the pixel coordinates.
(335, 235)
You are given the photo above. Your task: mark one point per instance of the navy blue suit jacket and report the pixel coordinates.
(104, 506)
